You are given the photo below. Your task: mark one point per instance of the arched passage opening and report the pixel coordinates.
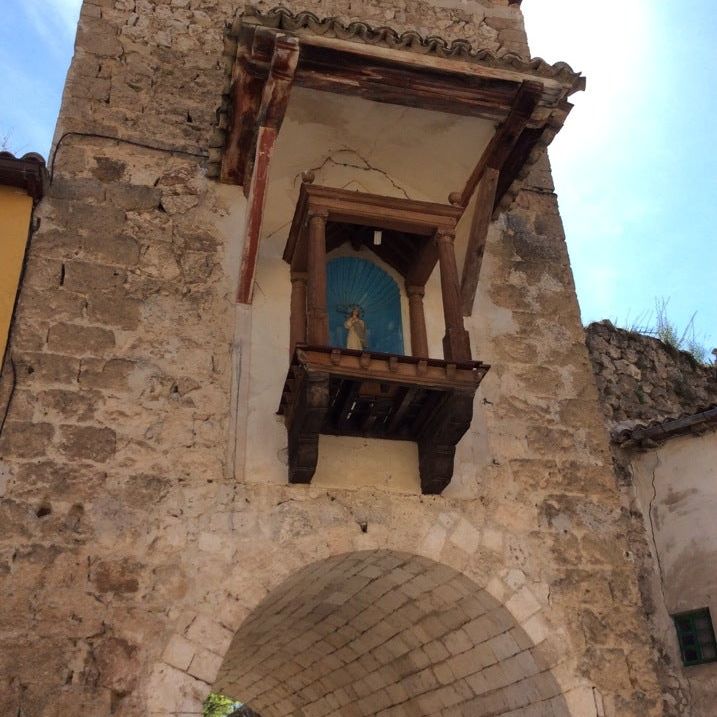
(386, 633)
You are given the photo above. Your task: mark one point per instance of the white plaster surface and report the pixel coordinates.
(676, 486)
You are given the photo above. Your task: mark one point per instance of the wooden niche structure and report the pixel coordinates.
(333, 390)
(339, 391)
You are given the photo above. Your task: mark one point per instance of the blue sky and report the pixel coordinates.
(635, 165)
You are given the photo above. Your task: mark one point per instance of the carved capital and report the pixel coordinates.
(318, 213)
(415, 291)
(445, 236)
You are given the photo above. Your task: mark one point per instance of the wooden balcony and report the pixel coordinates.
(335, 391)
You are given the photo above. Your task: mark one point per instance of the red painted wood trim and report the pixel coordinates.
(255, 211)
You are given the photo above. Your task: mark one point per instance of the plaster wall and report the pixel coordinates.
(676, 487)
(15, 212)
(143, 518)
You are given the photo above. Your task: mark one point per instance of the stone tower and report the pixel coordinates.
(217, 475)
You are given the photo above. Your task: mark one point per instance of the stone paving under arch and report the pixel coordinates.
(389, 634)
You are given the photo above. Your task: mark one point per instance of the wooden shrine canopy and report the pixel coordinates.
(526, 99)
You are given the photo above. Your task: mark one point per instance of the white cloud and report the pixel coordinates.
(612, 43)
(55, 21)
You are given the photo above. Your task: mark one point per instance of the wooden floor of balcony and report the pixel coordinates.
(344, 392)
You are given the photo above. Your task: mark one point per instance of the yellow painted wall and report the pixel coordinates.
(15, 213)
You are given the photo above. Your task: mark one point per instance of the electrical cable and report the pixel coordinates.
(135, 143)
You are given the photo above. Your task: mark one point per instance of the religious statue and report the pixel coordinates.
(354, 324)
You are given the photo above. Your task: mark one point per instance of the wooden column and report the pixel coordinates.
(297, 329)
(419, 339)
(456, 344)
(318, 317)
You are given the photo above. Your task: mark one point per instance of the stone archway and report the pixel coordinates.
(380, 632)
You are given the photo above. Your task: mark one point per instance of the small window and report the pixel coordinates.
(696, 636)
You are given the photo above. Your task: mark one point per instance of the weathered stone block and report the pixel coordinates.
(117, 663)
(133, 197)
(111, 374)
(90, 88)
(118, 576)
(98, 37)
(42, 273)
(46, 368)
(88, 443)
(74, 405)
(83, 277)
(87, 217)
(111, 248)
(205, 666)
(29, 336)
(58, 303)
(77, 340)
(74, 482)
(78, 188)
(22, 439)
(114, 309)
(179, 652)
(108, 169)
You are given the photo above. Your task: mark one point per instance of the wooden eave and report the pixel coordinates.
(27, 173)
(382, 66)
(412, 223)
(483, 86)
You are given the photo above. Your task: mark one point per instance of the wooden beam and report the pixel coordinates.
(505, 137)
(275, 99)
(555, 89)
(276, 92)
(381, 80)
(482, 213)
(403, 403)
(254, 214)
(392, 214)
(254, 53)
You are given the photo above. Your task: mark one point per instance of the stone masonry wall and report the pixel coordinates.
(641, 379)
(132, 548)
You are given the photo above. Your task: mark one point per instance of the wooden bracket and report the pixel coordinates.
(304, 425)
(505, 137)
(487, 178)
(437, 444)
(251, 69)
(269, 116)
(477, 238)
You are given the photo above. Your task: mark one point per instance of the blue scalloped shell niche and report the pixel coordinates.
(358, 282)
